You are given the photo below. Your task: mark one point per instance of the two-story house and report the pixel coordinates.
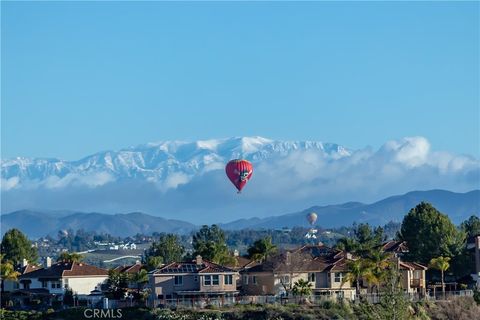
(412, 273)
(324, 267)
(199, 279)
(80, 277)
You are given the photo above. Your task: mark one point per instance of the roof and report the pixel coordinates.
(395, 246)
(412, 266)
(66, 269)
(302, 260)
(28, 268)
(134, 268)
(192, 267)
(241, 263)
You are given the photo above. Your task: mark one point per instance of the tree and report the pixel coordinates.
(168, 247)
(364, 240)
(7, 270)
(302, 288)
(71, 257)
(378, 262)
(430, 234)
(209, 242)
(117, 283)
(140, 278)
(471, 226)
(262, 249)
(357, 270)
(442, 264)
(153, 262)
(16, 247)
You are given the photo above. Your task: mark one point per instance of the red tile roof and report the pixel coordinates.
(66, 269)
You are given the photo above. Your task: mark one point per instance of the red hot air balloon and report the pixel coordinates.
(239, 171)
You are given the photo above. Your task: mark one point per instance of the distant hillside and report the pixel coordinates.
(37, 224)
(459, 206)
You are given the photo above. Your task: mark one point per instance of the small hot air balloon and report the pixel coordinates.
(239, 171)
(312, 218)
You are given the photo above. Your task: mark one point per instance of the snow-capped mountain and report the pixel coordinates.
(157, 162)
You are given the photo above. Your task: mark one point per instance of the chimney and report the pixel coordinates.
(24, 262)
(235, 253)
(199, 260)
(288, 258)
(48, 262)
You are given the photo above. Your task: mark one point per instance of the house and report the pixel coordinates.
(324, 267)
(80, 277)
(130, 270)
(412, 273)
(25, 267)
(199, 279)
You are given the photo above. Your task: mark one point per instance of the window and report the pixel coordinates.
(254, 279)
(207, 280)
(15, 285)
(338, 277)
(195, 278)
(285, 279)
(216, 280)
(245, 279)
(56, 284)
(178, 280)
(44, 284)
(228, 279)
(311, 277)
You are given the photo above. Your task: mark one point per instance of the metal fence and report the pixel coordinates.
(203, 302)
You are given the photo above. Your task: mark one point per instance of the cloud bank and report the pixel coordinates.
(286, 183)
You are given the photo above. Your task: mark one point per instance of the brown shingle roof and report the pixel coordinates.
(130, 268)
(395, 246)
(302, 260)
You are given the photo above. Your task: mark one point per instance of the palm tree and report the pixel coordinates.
(357, 270)
(302, 288)
(140, 278)
(70, 257)
(262, 249)
(442, 264)
(378, 263)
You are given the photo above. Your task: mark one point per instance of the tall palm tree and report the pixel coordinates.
(262, 249)
(378, 264)
(357, 270)
(442, 264)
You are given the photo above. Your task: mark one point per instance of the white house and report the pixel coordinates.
(80, 277)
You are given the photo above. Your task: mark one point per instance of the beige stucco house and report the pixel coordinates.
(323, 267)
(199, 279)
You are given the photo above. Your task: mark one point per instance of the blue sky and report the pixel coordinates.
(78, 78)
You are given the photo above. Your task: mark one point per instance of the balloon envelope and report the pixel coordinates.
(312, 218)
(239, 171)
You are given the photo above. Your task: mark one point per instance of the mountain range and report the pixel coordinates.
(186, 179)
(459, 206)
